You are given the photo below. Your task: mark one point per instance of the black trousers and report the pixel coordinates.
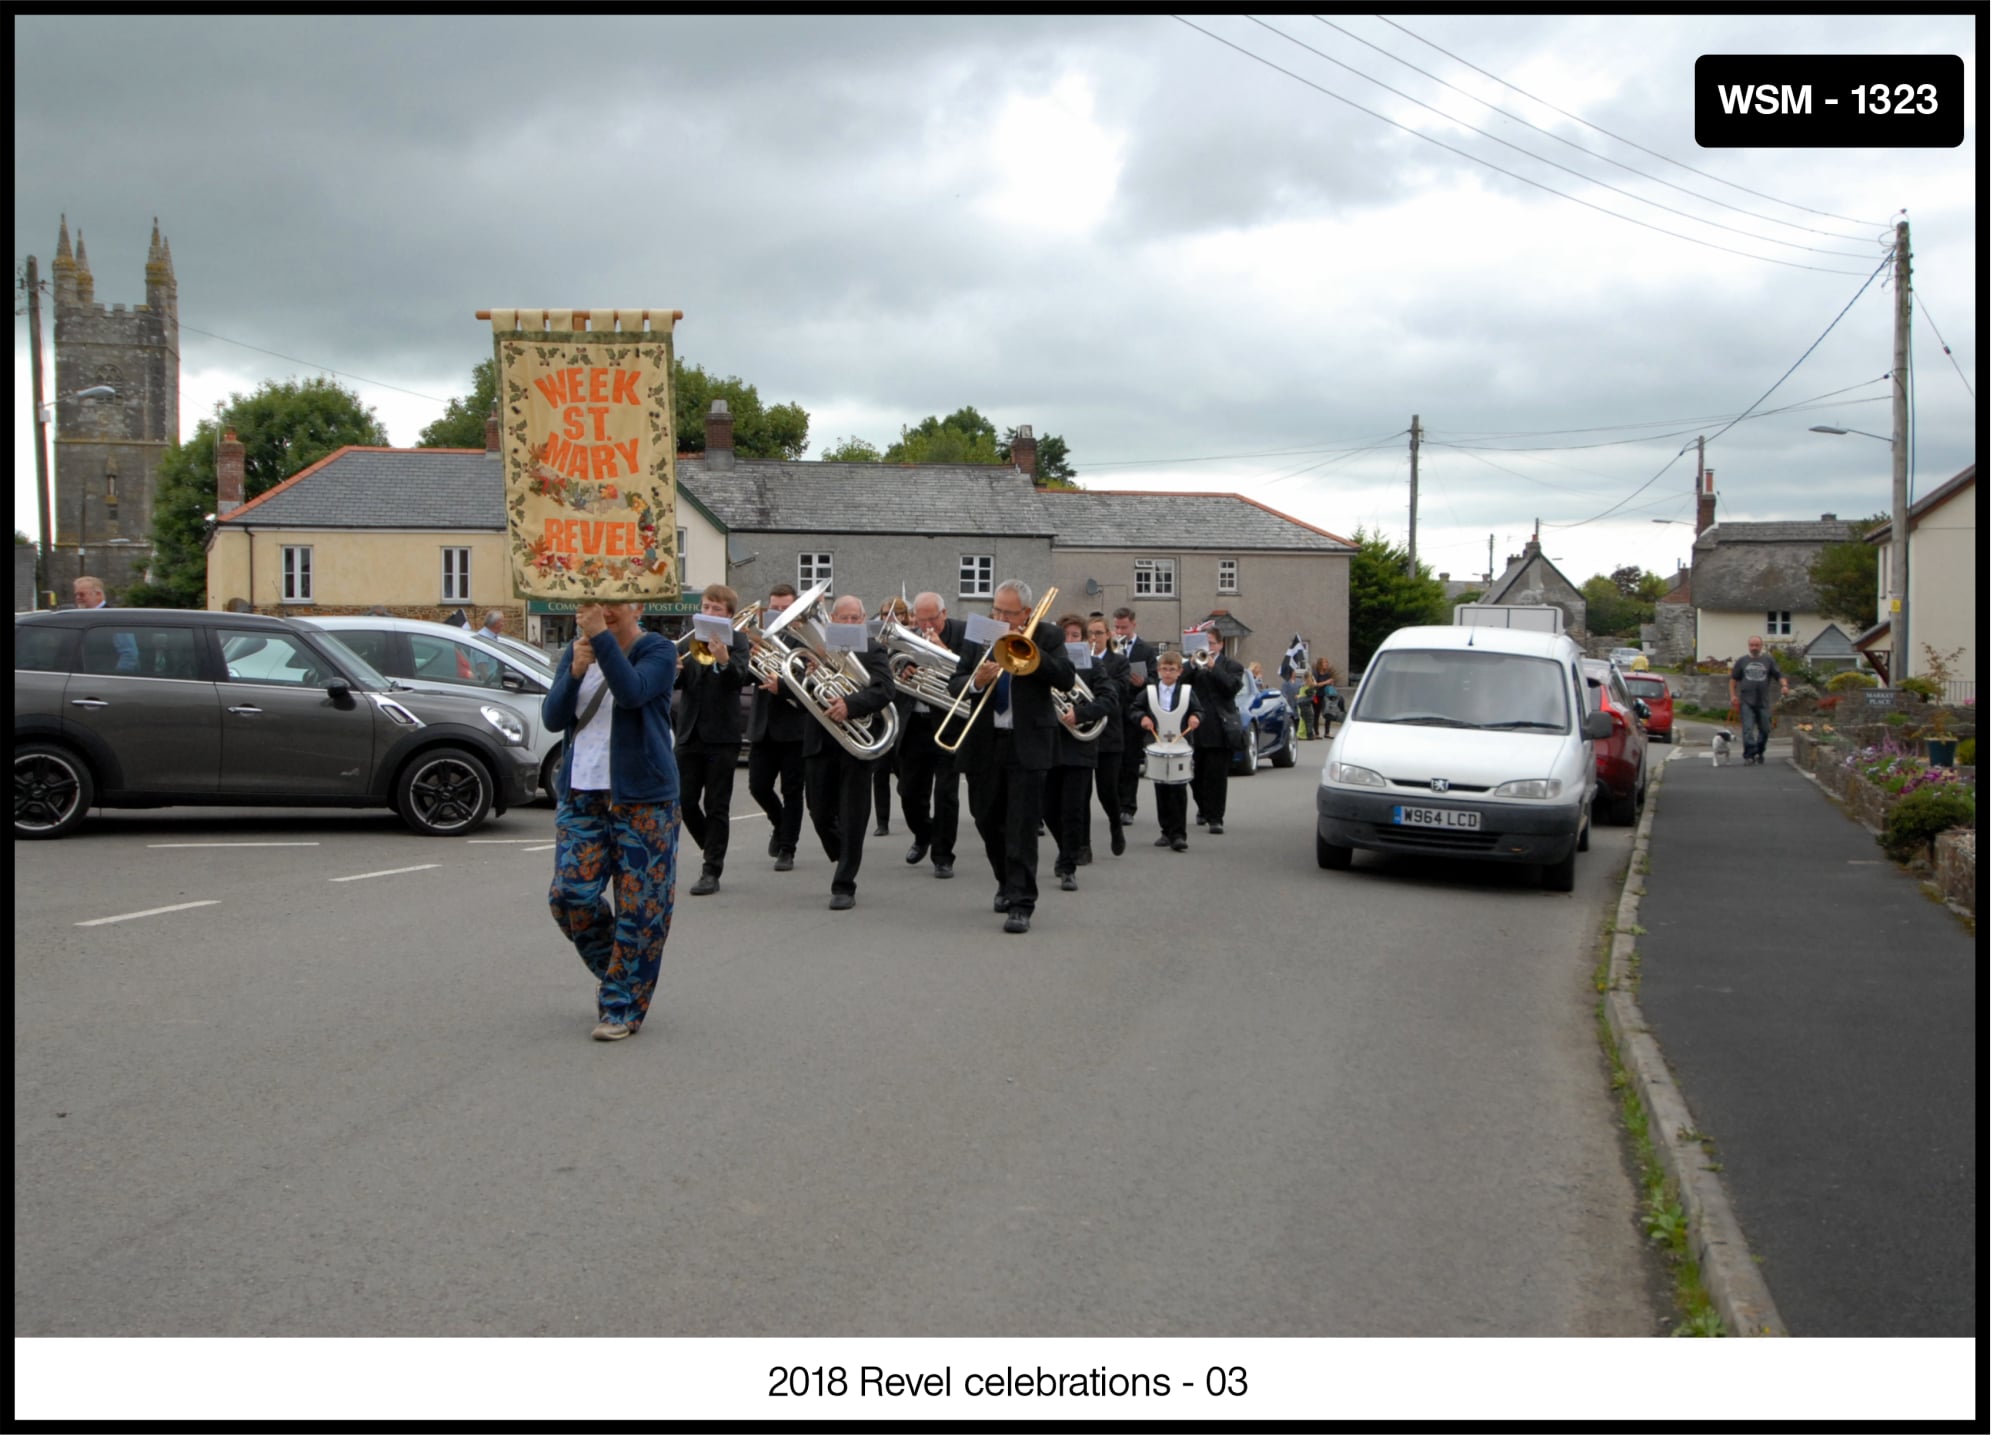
(777, 767)
(1133, 761)
(884, 765)
(1006, 803)
(1211, 782)
(1110, 780)
(1170, 802)
(708, 779)
(929, 777)
(837, 790)
(1066, 800)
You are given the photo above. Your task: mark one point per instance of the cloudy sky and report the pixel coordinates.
(1199, 257)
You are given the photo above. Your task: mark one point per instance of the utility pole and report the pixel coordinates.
(1489, 558)
(1416, 432)
(1899, 468)
(41, 439)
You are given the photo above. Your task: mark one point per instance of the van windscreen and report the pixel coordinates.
(1463, 687)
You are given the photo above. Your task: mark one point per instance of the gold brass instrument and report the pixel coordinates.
(685, 642)
(920, 668)
(1016, 653)
(815, 675)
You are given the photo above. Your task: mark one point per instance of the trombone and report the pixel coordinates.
(1016, 654)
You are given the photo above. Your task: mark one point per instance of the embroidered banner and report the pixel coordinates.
(587, 450)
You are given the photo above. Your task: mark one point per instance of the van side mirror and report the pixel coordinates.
(1596, 725)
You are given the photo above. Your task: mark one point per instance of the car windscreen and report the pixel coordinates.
(1646, 687)
(1464, 687)
(367, 673)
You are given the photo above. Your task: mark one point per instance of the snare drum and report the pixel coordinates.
(1169, 764)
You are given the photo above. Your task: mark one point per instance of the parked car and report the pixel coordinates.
(137, 707)
(1473, 742)
(1626, 657)
(1651, 689)
(1621, 755)
(439, 658)
(1270, 729)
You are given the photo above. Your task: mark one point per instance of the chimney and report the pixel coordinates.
(1828, 518)
(493, 431)
(721, 438)
(1024, 449)
(228, 473)
(1704, 503)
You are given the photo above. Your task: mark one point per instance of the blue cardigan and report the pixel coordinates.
(643, 767)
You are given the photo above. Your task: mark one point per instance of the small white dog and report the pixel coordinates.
(1718, 747)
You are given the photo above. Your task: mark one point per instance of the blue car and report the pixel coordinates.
(1270, 729)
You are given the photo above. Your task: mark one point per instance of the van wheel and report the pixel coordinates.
(444, 793)
(1561, 876)
(52, 791)
(1331, 857)
(1583, 838)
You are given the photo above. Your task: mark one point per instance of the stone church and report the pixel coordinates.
(108, 448)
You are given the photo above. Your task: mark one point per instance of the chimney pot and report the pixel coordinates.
(228, 473)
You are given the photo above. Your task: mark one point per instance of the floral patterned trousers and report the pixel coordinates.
(598, 843)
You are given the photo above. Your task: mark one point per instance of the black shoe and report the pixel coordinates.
(1069, 881)
(841, 901)
(999, 901)
(941, 869)
(705, 886)
(1117, 842)
(774, 848)
(917, 852)
(1017, 922)
(881, 829)
(1163, 840)
(784, 862)
(1180, 844)
(1083, 857)
(1216, 828)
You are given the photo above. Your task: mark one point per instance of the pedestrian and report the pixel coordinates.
(1325, 696)
(1750, 697)
(89, 593)
(495, 625)
(618, 812)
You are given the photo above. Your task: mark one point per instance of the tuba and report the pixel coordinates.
(816, 675)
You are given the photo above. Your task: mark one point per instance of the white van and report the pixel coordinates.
(1466, 742)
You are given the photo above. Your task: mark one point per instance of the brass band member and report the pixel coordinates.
(1215, 687)
(1165, 712)
(929, 776)
(837, 782)
(1135, 650)
(1066, 798)
(708, 731)
(893, 610)
(777, 750)
(1117, 680)
(1007, 753)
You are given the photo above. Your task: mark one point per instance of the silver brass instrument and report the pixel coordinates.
(1016, 653)
(1201, 657)
(816, 675)
(1066, 701)
(920, 668)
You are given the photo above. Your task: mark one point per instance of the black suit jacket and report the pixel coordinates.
(1111, 682)
(1215, 689)
(862, 704)
(777, 718)
(1035, 722)
(711, 709)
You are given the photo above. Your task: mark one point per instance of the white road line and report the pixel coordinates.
(232, 844)
(391, 872)
(149, 912)
(498, 841)
(549, 848)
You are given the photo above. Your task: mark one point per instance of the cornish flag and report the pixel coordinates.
(1296, 660)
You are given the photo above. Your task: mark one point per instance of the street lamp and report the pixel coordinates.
(1687, 522)
(1899, 552)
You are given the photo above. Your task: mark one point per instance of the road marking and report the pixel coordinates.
(232, 844)
(498, 841)
(549, 848)
(149, 912)
(391, 872)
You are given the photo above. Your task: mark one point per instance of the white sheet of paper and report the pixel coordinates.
(712, 629)
(983, 630)
(1139, 669)
(848, 637)
(1079, 655)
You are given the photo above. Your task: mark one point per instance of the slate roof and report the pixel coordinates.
(1227, 522)
(1758, 567)
(1503, 586)
(779, 496)
(444, 488)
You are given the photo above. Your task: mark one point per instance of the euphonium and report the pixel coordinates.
(921, 668)
(816, 676)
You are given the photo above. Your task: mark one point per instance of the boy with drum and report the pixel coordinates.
(1164, 711)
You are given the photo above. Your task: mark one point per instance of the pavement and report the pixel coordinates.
(1803, 1021)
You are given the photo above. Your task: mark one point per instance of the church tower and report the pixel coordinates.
(108, 448)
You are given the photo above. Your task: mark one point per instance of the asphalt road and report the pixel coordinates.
(1218, 1093)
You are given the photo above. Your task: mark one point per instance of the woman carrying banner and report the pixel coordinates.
(618, 818)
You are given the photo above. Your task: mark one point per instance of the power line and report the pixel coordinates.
(288, 358)
(1580, 149)
(1587, 179)
(1453, 149)
(1215, 457)
(1653, 423)
(1941, 343)
(1717, 179)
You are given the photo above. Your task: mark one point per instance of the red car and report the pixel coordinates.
(1651, 689)
(1621, 758)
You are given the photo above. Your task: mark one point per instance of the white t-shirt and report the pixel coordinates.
(590, 753)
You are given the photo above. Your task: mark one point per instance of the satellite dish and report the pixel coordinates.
(1092, 587)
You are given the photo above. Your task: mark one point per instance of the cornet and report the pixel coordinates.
(1016, 654)
(685, 643)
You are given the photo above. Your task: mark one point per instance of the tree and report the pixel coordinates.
(1844, 576)
(1382, 597)
(852, 449)
(464, 421)
(1609, 611)
(283, 427)
(967, 436)
(776, 432)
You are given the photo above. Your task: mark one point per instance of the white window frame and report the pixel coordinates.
(975, 575)
(681, 556)
(1154, 578)
(457, 586)
(295, 581)
(1226, 576)
(814, 568)
(1778, 623)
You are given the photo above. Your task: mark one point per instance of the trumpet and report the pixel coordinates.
(686, 641)
(1201, 657)
(1016, 653)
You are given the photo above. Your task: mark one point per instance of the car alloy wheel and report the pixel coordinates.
(444, 793)
(52, 791)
